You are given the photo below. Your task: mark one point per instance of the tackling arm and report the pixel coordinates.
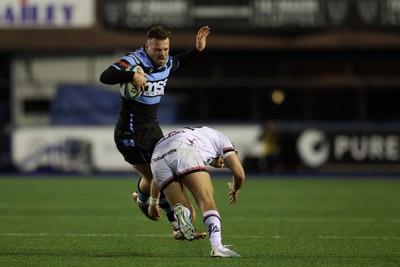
(233, 163)
(154, 210)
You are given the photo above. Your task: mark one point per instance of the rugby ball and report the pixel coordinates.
(128, 90)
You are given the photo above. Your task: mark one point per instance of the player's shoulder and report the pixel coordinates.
(134, 58)
(207, 132)
(206, 129)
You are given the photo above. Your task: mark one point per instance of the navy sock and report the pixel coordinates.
(164, 205)
(143, 199)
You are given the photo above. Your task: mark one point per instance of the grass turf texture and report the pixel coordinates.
(276, 222)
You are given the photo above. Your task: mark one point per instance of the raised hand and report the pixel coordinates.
(201, 38)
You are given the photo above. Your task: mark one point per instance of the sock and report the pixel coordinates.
(175, 226)
(212, 222)
(164, 205)
(143, 199)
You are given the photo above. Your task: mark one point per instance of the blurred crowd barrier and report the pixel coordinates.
(317, 148)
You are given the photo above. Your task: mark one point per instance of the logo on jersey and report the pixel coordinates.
(155, 88)
(123, 64)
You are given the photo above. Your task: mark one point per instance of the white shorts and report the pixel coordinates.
(173, 159)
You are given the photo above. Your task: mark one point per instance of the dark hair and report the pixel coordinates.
(158, 32)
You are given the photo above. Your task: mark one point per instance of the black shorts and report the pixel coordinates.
(138, 146)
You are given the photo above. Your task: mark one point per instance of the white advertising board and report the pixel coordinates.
(35, 14)
(86, 149)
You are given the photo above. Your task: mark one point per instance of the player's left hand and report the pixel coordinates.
(201, 38)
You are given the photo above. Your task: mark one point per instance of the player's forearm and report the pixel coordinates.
(238, 177)
(238, 183)
(113, 76)
(154, 192)
(234, 164)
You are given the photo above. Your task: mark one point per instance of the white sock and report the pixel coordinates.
(212, 222)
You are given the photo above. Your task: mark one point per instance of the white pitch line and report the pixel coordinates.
(319, 237)
(232, 219)
(319, 219)
(233, 236)
(82, 235)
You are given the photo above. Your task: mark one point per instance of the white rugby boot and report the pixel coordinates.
(185, 226)
(223, 252)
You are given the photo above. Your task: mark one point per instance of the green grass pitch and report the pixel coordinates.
(91, 221)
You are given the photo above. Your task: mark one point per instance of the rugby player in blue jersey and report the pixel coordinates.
(137, 129)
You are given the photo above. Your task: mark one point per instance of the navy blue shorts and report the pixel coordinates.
(137, 147)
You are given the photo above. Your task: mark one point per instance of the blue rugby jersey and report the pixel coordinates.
(156, 76)
(143, 109)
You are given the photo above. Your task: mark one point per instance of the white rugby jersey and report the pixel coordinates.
(209, 142)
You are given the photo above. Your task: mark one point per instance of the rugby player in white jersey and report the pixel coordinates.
(181, 158)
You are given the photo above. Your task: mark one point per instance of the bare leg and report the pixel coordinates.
(175, 194)
(146, 188)
(201, 187)
(145, 172)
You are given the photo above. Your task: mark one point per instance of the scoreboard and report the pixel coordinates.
(252, 15)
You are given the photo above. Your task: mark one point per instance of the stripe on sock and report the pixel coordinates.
(209, 213)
